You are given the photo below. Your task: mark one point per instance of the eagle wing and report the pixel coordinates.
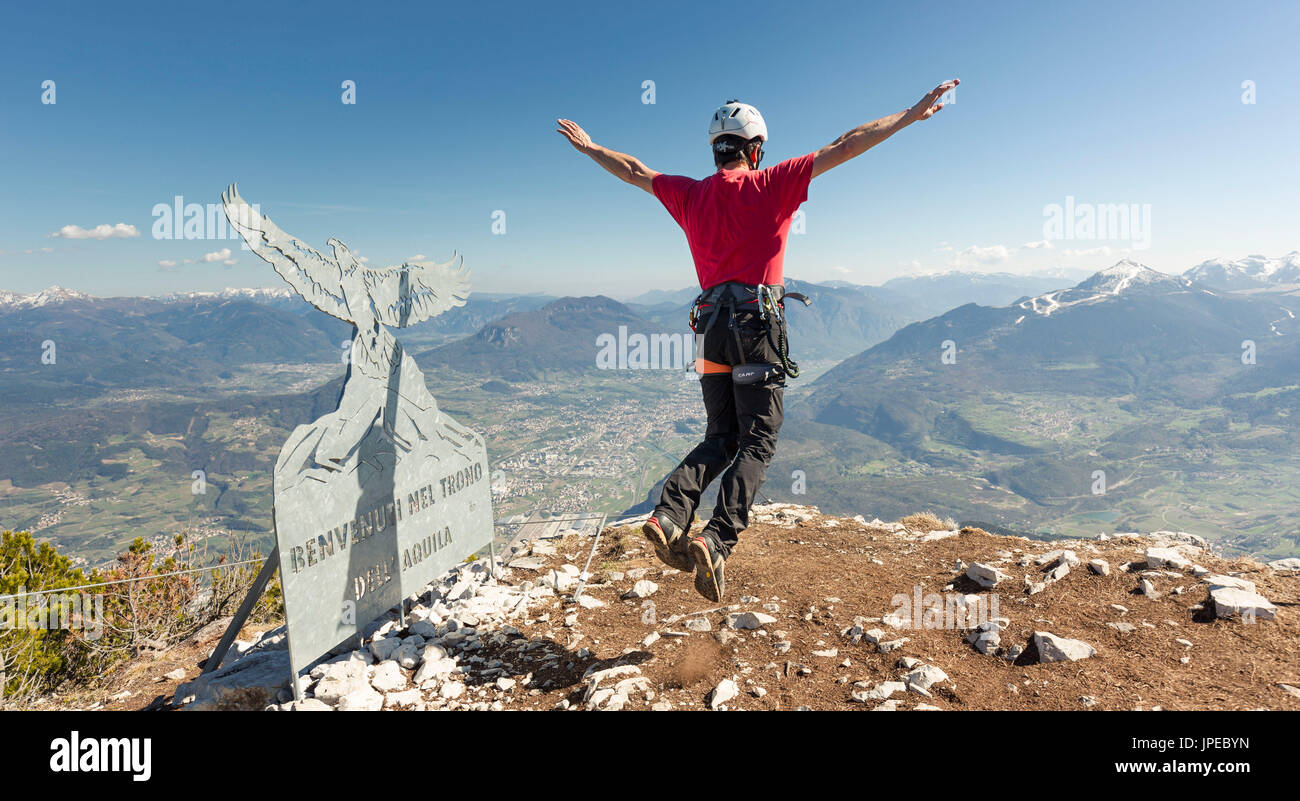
(316, 277)
(412, 292)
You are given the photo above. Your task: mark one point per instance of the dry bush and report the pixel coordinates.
(243, 699)
(924, 522)
(616, 539)
(152, 607)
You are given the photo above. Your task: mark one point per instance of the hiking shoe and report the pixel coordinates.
(709, 580)
(667, 542)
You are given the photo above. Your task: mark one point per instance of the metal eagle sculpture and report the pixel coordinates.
(384, 388)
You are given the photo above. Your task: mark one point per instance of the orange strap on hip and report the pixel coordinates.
(706, 367)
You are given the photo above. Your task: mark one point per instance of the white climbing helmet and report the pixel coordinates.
(737, 119)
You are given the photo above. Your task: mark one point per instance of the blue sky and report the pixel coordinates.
(1133, 103)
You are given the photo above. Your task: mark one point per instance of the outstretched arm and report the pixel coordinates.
(864, 137)
(620, 165)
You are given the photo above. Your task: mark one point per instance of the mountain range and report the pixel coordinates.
(1247, 273)
(1006, 414)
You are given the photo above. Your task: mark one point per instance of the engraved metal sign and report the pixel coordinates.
(378, 498)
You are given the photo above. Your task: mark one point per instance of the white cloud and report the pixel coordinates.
(230, 261)
(977, 255)
(220, 255)
(841, 270)
(1042, 243)
(166, 263)
(105, 231)
(1103, 250)
(417, 257)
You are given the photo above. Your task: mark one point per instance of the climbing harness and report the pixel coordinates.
(770, 306)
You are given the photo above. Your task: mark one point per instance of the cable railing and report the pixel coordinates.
(585, 517)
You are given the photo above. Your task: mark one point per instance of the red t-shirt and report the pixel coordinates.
(737, 221)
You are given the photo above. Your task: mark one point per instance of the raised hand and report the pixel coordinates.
(574, 133)
(929, 105)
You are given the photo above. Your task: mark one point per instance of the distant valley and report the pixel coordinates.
(1133, 373)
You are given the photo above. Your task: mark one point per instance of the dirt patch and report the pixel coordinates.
(816, 576)
(699, 659)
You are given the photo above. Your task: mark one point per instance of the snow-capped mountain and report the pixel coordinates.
(57, 294)
(1248, 272)
(1126, 276)
(248, 293)
(53, 294)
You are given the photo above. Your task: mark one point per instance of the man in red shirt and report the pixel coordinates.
(736, 223)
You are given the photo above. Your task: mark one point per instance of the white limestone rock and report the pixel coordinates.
(749, 620)
(1060, 571)
(259, 672)
(897, 620)
(310, 705)
(408, 653)
(724, 692)
(388, 677)
(407, 699)
(1166, 557)
(1233, 603)
(1052, 648)
(986, 641)
(363, 699)
(1216, 581)
(427, 628)
(383, 648)
(642, 589)
(984, 575)
(925, 676)
(435, 669)
(1059, 556)
(879, 692)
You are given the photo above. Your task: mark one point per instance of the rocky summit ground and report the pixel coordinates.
(813, 619)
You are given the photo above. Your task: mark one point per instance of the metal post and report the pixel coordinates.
(245, 609)
(582, 578)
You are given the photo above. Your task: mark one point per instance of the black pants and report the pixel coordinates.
(740, 439)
